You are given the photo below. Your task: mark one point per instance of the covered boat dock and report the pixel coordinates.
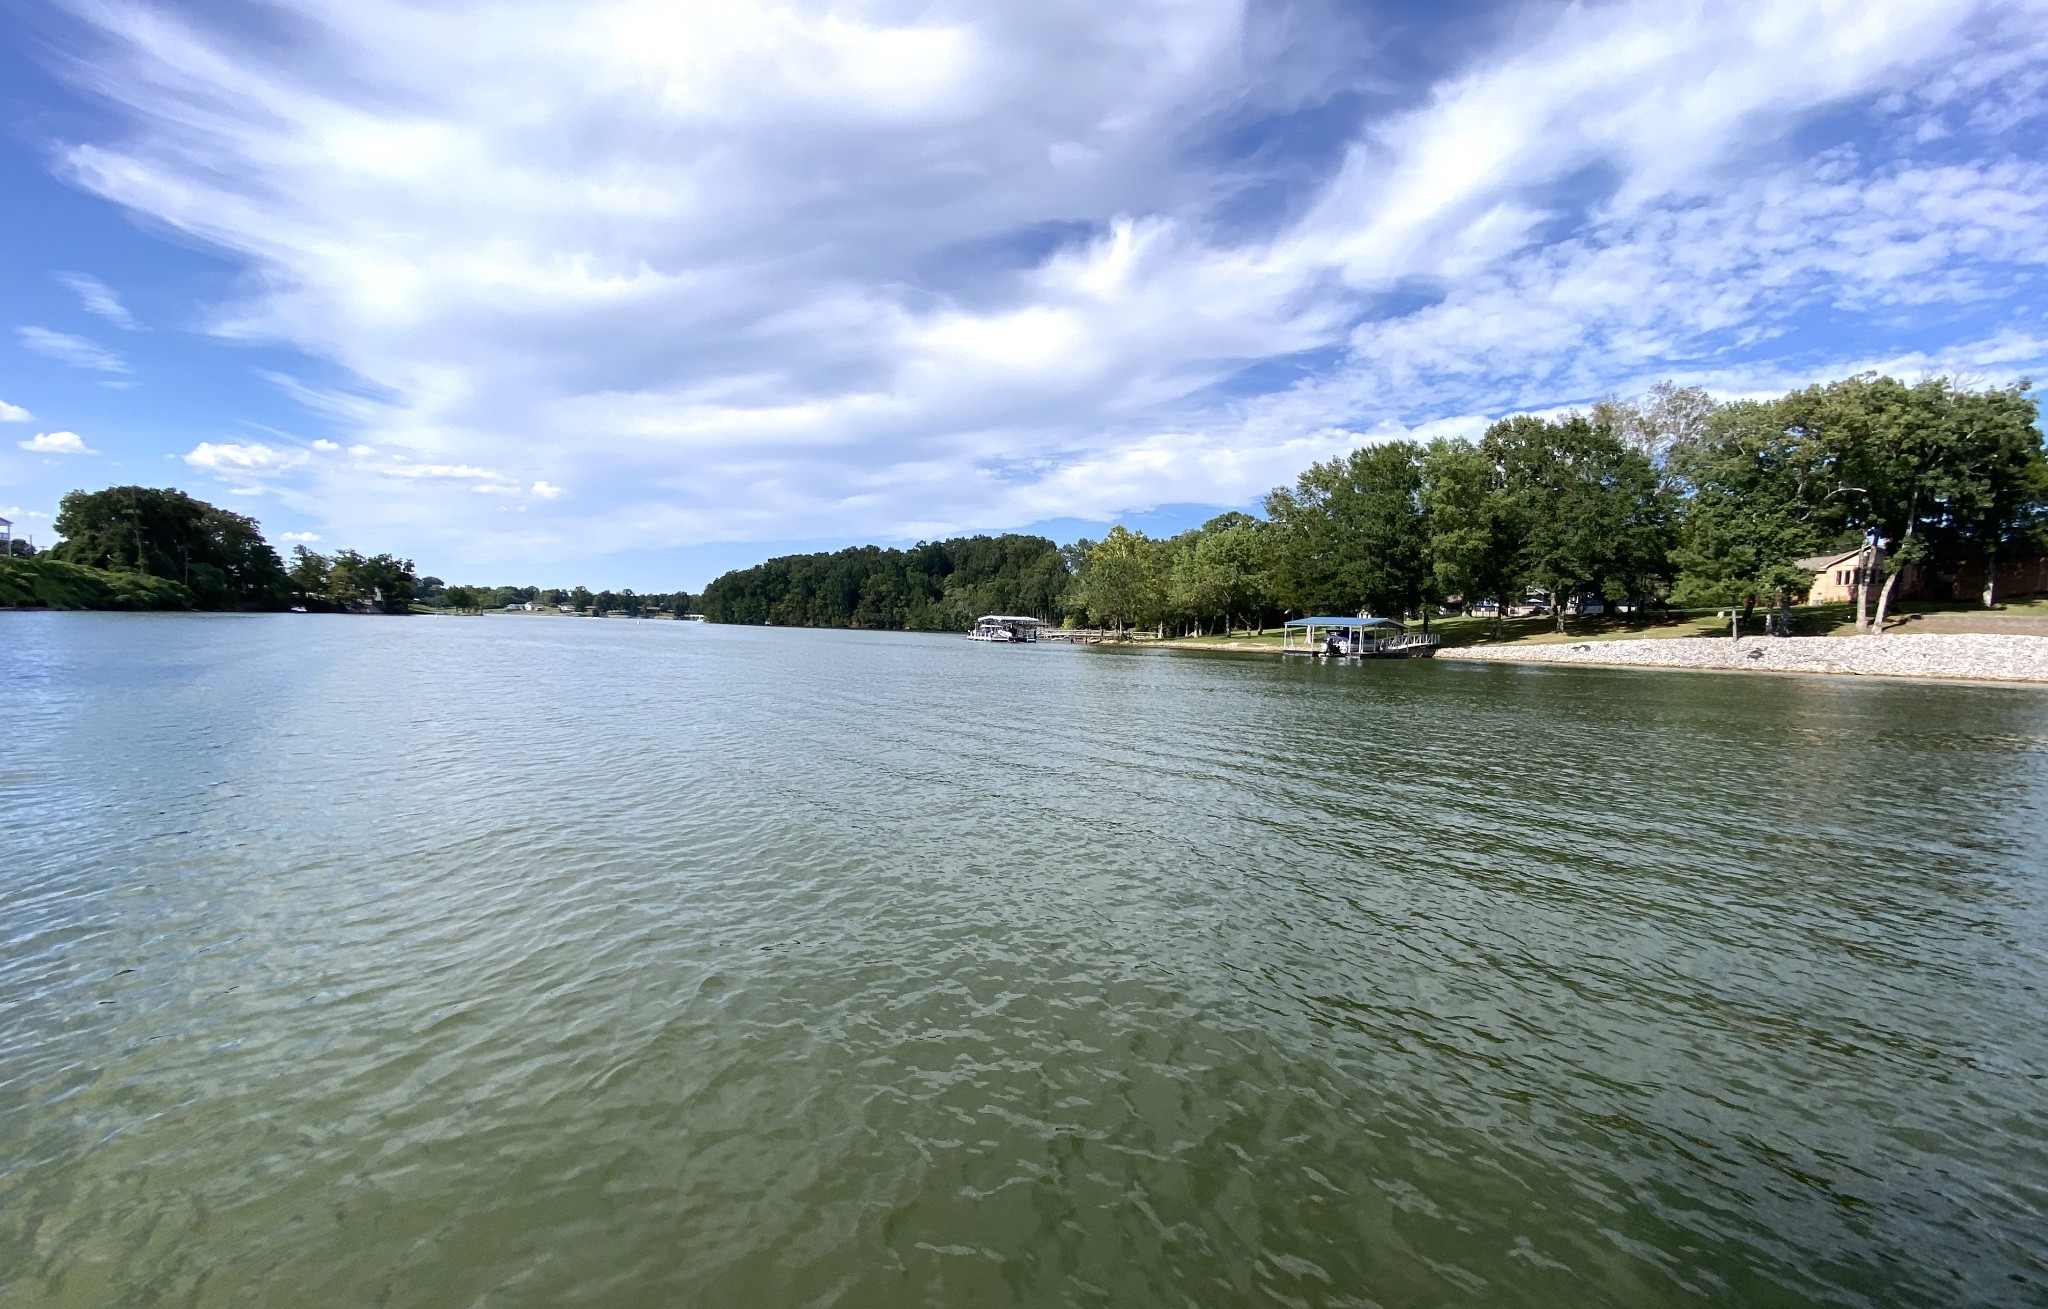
(1354, 638)
(1006, 628)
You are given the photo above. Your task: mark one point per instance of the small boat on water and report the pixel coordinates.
(1355, 638)
(1005, 628)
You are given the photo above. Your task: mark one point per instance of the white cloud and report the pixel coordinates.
(57, 443)
(240, 460)
(73, 350)
(14, 413)
(302, 538)
(98, 298)
(828, 269)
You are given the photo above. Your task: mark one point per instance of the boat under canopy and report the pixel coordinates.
(1354, 638)
(1005, 628)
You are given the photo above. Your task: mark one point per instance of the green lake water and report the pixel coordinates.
(500, 961)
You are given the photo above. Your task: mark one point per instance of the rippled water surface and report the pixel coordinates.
(537, 961)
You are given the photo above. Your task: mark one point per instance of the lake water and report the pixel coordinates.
(533, 961)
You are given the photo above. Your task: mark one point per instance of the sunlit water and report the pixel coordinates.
(533, 961)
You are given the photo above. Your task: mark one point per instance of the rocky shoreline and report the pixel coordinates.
(1977, 658)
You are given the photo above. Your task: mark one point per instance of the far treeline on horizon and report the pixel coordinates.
(1672, 500)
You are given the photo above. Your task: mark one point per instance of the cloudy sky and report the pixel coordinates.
(631, 291)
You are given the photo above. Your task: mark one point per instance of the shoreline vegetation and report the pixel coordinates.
(1657, 521)
(1610, 524)
(145, 548)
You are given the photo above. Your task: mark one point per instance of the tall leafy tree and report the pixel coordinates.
(1351, 533)
(1222, 574)
(349, 580)
(1762, 491)
(1472, 548)
(1124, 584)
(219, 555)
(1994, 488)
(1588, 512)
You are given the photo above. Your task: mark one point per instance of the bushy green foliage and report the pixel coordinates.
(349, 582)
(939, 586)
(44, 582)
(1671, 498)
(1352, 534)
(218, 556)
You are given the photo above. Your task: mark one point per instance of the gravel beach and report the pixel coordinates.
(1967, 657)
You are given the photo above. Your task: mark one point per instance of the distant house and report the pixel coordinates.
(567, 609)
(1834, 576)
(1834, 579)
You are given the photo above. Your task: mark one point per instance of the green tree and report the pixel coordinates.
(1351, 534)
(220, 556)
(462, 598)
(1996, 488)
(309, 576)
(383, 582)
(1472, 549)
(1123, 583)
(1587, 511)
(1762, 489)
(1221, 573)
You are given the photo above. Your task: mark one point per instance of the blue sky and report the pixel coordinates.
(629, 292)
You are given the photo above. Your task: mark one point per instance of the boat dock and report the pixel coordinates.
(1355, 638)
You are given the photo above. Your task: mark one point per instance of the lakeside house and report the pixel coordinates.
(1834, 576)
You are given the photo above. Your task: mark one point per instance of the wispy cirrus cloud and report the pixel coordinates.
(853, 271)
(76, 351)
(98, 299)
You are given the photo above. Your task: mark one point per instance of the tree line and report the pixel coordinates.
(1670, 500)
(140, 547)
(935, 586)
(475, 599)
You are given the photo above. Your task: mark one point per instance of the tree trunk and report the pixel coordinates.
(1863, 589)
(1749, 607)
(1734, 623)
(1884, 601)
